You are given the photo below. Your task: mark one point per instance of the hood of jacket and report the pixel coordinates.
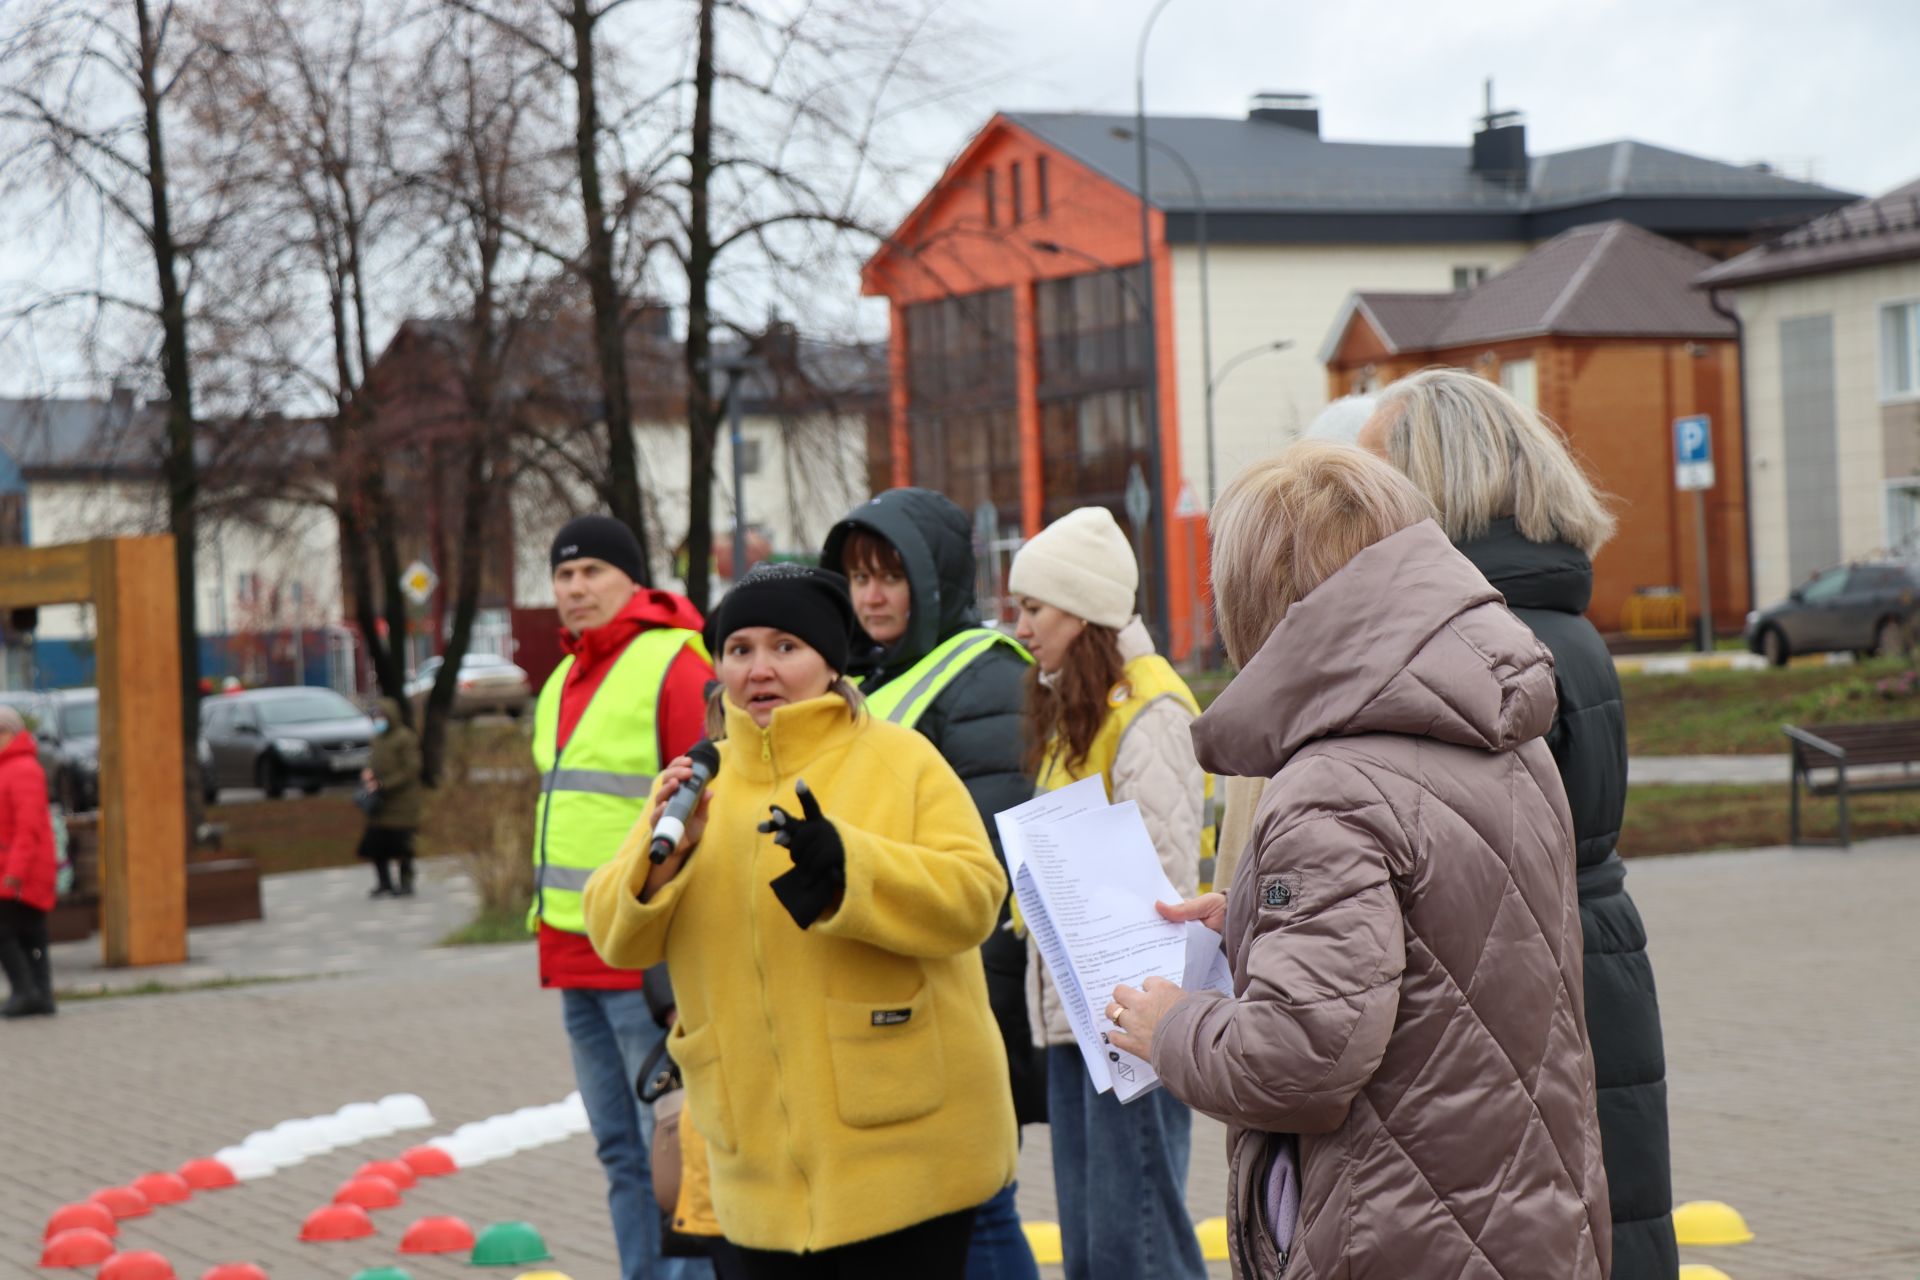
(1407, 638)
(935, 541)
(1532, 575)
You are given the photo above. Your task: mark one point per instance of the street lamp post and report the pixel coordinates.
(1156, 518)
(1206, 303)
(1213, 382)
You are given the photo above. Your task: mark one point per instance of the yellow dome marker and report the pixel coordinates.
(1044, 1239)
(1701, 1271)
(542, 1275)
(1213, 1239)
(1709, 1222)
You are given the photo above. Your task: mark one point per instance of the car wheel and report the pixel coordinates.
(273, 778)
(1773, 647)
(1890, 639)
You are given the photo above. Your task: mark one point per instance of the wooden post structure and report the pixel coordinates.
(143, 804)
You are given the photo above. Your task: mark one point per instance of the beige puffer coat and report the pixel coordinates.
(1404, 940)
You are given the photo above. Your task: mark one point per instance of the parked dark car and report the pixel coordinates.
(1863, 608)
(278, 738)
(67, 724)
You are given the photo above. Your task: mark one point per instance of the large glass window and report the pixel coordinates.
(961, 413)
(1091, 331)
(1900, 349)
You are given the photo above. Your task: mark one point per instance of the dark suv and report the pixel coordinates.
(1862, 608)
(276, 738)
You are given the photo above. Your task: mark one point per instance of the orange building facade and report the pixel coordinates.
(1018, 351)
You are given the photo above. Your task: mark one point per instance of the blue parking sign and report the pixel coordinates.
(1693, 452)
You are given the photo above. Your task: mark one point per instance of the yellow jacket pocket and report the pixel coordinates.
(698, 1053)
(887, 1061)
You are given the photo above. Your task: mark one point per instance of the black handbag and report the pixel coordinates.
(368, 799)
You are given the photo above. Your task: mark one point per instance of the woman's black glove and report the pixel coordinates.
(819, 874)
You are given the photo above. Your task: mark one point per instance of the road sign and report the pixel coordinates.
(1693, 452)
(1187, 506)
(418, 582)
(1139, 501)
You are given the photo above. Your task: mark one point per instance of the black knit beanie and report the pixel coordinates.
(602, 538)
(799, 599)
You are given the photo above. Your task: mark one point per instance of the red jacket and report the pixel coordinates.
(680, 719)
(26, 830)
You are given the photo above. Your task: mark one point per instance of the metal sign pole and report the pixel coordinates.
(1706, 571)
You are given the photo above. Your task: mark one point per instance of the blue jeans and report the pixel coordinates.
(611, 1033)
(999, 1248)
(1120, 1173)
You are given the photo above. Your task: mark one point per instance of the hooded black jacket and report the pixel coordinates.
(1548, 586)
(976, 722)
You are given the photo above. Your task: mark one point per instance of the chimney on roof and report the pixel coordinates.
(1500, 148)
(1294, 110)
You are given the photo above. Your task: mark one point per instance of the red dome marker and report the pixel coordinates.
(429, 1162)
(337, 1222)
(369, 1192)
(163, 1188)
(437, 1235)
(207, 1175)
(86, 1213)
(398, 1172)
(141, 1264)
(236, 1271)
(123, 1202)
(78, 1247)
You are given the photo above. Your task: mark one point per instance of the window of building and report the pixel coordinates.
(749, 457)
(1091, 331)
(1521, 382)
(1040, 184)
(1015, 193)
(1900, 349)
(993, 202)
(1468, 276)
(962, 420)
(1903, 517)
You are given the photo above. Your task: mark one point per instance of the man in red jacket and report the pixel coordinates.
(630, 696)
(27, 871)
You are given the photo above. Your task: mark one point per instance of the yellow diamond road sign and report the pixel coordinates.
(418, 582)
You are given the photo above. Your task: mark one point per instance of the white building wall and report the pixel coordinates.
(1261, 293)
(1853, 299)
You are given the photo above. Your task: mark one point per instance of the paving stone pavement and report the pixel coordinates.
(1785, 977)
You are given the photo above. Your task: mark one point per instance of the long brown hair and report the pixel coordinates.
(1073, 707)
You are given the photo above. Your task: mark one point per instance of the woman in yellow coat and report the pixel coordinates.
(822, 918)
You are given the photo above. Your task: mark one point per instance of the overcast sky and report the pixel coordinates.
(1828, 88)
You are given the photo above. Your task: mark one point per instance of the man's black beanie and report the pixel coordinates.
(602, 538)
(798, 599)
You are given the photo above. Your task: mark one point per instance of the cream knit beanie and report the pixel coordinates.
(1081, 563)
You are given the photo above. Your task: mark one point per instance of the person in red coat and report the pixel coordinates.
(27, 870)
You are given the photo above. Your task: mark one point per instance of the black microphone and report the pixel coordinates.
(673, 819)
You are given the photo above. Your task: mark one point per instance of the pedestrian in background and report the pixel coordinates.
(629, 696)
(1102, 703)
(822, 917)
(922, 660)
(1513, 499)
(394, 798)
(27, 871)
(1403, 1061)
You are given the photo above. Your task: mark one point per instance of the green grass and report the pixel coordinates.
(1740, 712)
(157, 988)
(490, 928)
(1690, 819)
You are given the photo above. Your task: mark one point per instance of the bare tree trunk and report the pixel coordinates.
(609, 312)
(182, 472)
(703, 414)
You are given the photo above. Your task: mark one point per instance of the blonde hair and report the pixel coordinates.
(1287, 524)
(1480, 455)
(717, 711)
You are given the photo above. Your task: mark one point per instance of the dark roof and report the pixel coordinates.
(1884, 229)
(1254, 167)
(1608, 280)
(55, 435)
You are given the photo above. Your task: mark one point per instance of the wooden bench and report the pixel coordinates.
(1851, 746)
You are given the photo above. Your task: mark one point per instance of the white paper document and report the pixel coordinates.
(1086, 876)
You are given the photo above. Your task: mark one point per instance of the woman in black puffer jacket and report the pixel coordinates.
(1515, 502)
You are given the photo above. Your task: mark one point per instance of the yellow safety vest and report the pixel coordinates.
(906, 697)
(593, 792)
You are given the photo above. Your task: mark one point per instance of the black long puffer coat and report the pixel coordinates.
(1549, 585)
(976, 723)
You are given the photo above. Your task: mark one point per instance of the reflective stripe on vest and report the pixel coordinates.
(906, 697)
(595, 789)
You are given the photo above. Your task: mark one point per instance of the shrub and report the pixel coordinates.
(482, 814)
